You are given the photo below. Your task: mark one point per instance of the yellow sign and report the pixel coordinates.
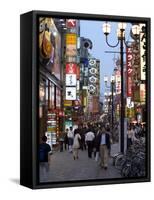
(67, 103)
(71, 38)
(51, 129)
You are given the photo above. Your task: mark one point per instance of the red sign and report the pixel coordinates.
(71, 23)
(129, 59)
(71, 68)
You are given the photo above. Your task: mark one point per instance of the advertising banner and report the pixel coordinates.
(142, 93)
(71, 79)
(143, 52)
(71, 38)
(129, 59)
(92, 79)
(78, 85)
(67, 103)
(71, 50)
(92, 62)
(71, 23)
(70, 93)
(71, 68)
(93, 71)
(118, 82)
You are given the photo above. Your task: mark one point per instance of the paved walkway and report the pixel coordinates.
(64, 168)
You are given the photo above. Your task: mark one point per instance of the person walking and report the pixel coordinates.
(61, 143)
(97, 145)
(130, 137)
(104, 141)
(89, 140)
(66, 139)
(70, 136)
(44, 157)
(76, 144)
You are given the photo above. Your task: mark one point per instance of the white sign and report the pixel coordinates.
(78, 85)
(92, 62)
(93, 79)
(92, 89)
(143, 54)
(70, 93)
(70, 79)
(130, 104)
(93, 70)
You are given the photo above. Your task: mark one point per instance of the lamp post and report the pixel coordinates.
(122, 42)
(112, 93)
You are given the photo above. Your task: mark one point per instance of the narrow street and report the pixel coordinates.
(64, 168)
(89, 94)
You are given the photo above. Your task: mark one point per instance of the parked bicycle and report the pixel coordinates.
(132, 164)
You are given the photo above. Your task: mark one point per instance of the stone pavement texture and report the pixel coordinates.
(64, 168)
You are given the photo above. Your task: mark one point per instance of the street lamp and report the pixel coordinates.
(112, 93)
(122, 42)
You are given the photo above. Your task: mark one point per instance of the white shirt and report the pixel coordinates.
(89, 136)
(103, 139)
(70, 134)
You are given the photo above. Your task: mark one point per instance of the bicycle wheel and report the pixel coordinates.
(125, 172)
(119, 161)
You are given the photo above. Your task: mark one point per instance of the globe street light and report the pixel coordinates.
(122, 42)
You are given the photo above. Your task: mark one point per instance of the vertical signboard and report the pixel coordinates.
(70, 79)
(71, 23)
(129, 59)
(70, 93)
(142, 93)
(118, 81)
(143, 52)
(71, 68)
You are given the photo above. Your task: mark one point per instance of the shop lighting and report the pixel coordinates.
(54, 33)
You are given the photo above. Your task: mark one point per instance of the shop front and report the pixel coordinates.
(50, 77)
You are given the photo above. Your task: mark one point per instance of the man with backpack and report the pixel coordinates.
(44, 156)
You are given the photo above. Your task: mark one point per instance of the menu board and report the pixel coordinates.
(51, 128)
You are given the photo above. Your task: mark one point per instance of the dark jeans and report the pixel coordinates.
(61, 146)
(90, 148)
(129, 142)
(70, 141)
(82, 145)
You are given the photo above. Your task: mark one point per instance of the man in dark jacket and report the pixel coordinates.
(44, 157)
(104, 142)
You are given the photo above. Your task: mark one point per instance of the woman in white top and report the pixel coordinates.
(76, 145)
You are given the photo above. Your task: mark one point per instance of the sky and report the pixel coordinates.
(93, 31)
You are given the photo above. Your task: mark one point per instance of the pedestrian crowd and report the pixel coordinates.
(95, 138)
(134, 133)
